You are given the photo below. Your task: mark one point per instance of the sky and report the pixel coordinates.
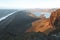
(29, 4)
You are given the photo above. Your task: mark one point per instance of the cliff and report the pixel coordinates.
(46, 25)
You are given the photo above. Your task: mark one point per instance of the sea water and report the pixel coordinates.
(46, 14)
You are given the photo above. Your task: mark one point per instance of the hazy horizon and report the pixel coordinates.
(29, 4)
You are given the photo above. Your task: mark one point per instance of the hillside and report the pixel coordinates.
(26, 26)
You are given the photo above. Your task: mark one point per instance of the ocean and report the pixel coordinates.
(6, 12)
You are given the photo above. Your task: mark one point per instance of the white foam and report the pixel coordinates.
(7, 16)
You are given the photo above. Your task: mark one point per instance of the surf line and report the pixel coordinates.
(7, 16)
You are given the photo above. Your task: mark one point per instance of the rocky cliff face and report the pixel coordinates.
(46, 25)
(55, 18)
(42, 25)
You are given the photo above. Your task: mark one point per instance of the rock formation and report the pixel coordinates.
(45, 25)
